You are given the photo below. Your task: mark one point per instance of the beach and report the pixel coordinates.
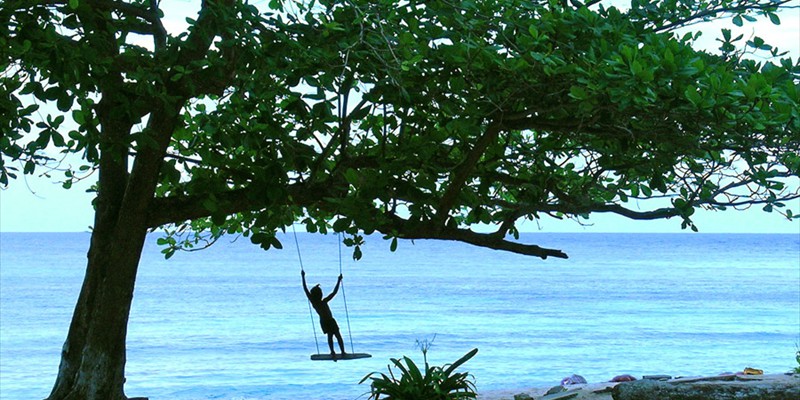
(604, 390)
(591, 391)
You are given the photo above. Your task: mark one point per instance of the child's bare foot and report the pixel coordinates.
(333, 357)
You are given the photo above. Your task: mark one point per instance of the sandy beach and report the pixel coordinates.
(591, 391)
(603, 390)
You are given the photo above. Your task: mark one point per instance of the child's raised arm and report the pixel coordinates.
(305, 287)
(335, 289)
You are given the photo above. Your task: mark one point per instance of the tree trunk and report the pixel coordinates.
(93, 356)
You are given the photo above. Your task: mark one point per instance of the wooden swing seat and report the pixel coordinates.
(346, 356)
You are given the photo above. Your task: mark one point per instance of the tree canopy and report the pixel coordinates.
(414, 119)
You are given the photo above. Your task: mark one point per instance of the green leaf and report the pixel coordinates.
(460, 361)
(29, 167)
(210, 204)
(341, 224)
(64, 102)
(774, 18)
(258, 238)
(393, 246)
(693, 95)
(578, 93)
(351, 176)
(737, 20)
(79, 117)
(360, 113)
(218, 219)
(533, 31)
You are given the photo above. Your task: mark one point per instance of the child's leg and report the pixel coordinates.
(330, 344)
(341, 342)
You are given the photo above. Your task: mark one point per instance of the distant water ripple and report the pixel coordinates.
(232, 322)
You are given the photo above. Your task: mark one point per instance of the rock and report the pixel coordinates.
(523, 396)
(753, 371)
(771, 389)
(623, 378)
(606, 389)
(704, 378)
(562, 396)
(573, 380)
(556, 389)
(657, 377)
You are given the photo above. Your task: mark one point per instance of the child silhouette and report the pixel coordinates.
(326, 320)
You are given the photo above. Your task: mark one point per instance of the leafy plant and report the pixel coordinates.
(797, 358)
(437, 383)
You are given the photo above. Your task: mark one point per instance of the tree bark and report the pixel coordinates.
(93, 356)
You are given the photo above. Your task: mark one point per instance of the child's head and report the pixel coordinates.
(316, 293)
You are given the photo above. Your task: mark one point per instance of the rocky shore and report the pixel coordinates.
(721, 387)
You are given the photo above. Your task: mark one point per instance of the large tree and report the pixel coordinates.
(415, 119)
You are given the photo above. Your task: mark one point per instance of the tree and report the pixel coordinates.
(412, 119)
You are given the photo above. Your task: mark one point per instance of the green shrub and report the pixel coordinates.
(797, 358)
(437, 383)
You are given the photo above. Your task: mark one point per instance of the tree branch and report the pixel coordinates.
(179, 209)
(202, 34)
(412, 230)
(459, 178)
(714, 11)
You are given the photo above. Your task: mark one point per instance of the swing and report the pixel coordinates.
(352, 355)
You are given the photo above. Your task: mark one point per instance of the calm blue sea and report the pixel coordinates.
(231, 322)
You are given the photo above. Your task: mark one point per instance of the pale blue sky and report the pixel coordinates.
(34, 204)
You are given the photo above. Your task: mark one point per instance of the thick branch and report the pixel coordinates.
(406, 230)
(203, 32)
(660, 213)
(459, 178)
(178, 209)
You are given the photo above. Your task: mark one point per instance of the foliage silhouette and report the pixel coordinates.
(431, 383)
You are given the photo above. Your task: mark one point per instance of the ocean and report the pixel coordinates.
(232, 322)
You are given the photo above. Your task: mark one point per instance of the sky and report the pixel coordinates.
(34, 204)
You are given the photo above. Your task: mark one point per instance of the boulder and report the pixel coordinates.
(623, 378)
(573, 379)
(779, 388)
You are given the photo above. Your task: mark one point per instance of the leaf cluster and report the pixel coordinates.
(413, 119)
(432, 383)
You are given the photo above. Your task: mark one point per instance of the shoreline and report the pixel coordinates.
(603, 390)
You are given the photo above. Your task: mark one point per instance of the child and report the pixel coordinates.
(326, 321)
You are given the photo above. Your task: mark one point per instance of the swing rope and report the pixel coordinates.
(344, 297)
(310, 313)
